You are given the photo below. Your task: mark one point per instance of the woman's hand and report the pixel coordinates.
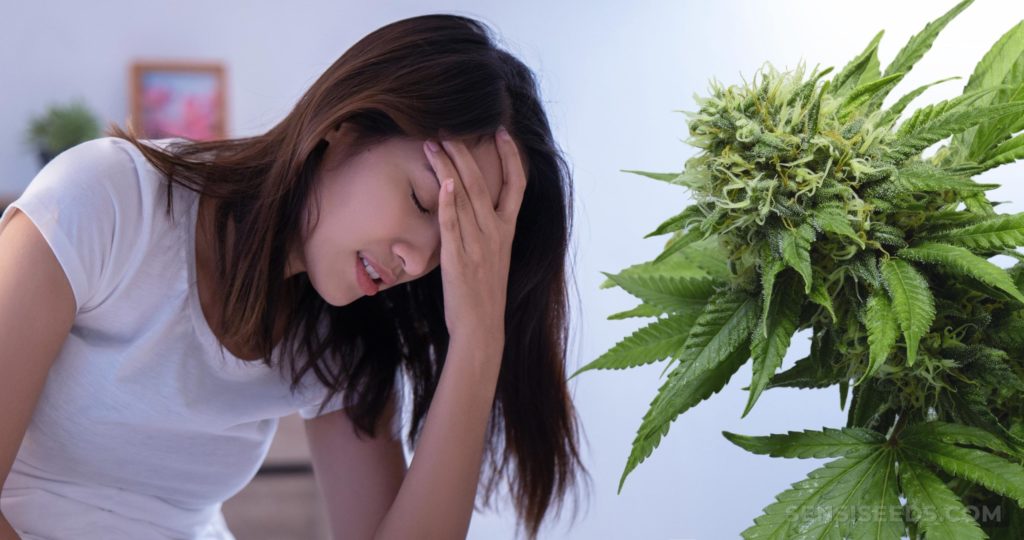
(476, 239)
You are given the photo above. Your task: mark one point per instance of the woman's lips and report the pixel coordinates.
(365, 281)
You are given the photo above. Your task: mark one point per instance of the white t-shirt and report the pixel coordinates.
(145, 424)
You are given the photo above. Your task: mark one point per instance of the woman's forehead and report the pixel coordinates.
(485, 152)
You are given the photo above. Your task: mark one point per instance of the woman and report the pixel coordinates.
(325, 262)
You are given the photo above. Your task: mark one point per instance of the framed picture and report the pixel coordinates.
(178, 100)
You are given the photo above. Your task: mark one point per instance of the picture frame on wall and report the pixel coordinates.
(178, 99)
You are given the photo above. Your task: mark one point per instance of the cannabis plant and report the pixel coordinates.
(813, 210)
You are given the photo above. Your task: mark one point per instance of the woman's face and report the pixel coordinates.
(367, 208)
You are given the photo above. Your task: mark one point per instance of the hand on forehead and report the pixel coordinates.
(485, 151)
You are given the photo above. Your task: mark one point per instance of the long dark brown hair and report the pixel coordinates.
(419, 77)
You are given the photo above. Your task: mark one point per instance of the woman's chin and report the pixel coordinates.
(339, 300)
(336, 297)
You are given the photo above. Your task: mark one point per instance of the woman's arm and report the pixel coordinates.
(358, 477)
(37, 310)
(436, 498)
(6, 531)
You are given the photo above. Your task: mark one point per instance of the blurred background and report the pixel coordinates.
(612, 75)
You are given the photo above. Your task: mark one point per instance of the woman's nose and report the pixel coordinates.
(417, 262)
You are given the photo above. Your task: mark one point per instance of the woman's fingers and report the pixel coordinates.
(510, 198)
(475, 241)
(473, 182)
(448, 219)
(462, 213)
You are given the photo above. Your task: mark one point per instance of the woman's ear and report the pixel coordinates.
(341, 143)
(344, 134)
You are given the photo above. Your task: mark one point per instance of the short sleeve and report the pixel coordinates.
(309, 412)
(85, 203)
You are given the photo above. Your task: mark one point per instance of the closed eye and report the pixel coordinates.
(416, 201)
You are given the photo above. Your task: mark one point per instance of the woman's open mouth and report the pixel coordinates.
(366, 283)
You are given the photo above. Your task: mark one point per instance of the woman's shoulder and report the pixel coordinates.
(97, 206)
(104, 165)
(107, 154)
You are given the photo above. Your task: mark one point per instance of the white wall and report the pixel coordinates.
(612, 73)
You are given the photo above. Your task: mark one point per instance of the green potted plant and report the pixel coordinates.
(60, 128)
(815, 210)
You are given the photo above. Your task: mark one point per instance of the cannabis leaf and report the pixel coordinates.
(649, 344)
(921, 42)
(717, 346)
(961, 261)
(862, 69)
(796, 251)
(642, 310)
(882, 331)
(892, 113)
(668, 292)
(1002, 68)
(829, 442)
(1007, 152)
(995, 473)
(678, 221)
(832, 217)
(947, 119)
(997, 232)
(960, 434)
(816, 370)
(911, 302)
(922, 177)
(934, 506)
(771, 341)
(831, 501)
